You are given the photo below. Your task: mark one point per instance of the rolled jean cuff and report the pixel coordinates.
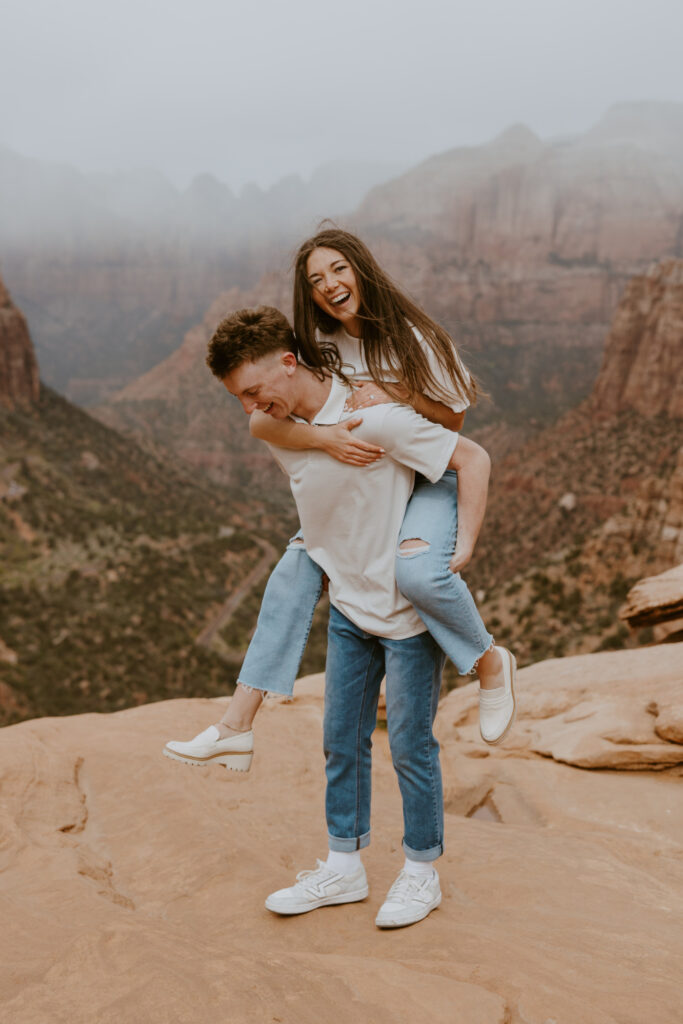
(349, 845)
(426, 855)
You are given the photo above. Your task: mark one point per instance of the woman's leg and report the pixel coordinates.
(441, 598)
(444, 602)
(274, 654)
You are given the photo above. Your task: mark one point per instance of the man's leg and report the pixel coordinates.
(414, 668)
(353, 675)
(355, 667)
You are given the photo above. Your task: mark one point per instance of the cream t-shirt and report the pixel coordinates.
(354, 365)
(351, 516)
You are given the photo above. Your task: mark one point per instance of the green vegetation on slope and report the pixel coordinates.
(111, 565)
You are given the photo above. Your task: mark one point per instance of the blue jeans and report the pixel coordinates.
(441, 599)
(356, 663)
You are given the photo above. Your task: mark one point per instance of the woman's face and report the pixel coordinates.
(334, 287)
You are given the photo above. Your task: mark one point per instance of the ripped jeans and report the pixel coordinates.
(440, 597)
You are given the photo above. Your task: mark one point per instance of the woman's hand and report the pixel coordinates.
(369, 393)
(461, 556)
(338, 441)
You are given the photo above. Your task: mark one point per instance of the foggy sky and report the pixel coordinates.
(254, 91)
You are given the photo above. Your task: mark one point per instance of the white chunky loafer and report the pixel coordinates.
(235, 752)
(497, 708)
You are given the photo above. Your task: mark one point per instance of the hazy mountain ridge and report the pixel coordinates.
(112, 269)
(521, 249)
(517, 245)
(50, 202)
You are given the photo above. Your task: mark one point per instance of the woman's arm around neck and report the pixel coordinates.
(336, 440)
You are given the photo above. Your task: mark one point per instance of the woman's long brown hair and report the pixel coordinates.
(387, 317)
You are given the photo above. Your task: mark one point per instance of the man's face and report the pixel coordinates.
(266, 384)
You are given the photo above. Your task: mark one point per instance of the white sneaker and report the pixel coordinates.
(497, 708)
(410, 899)
(319, 888)
(235, 752)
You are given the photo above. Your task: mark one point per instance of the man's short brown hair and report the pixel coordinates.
(247, 335)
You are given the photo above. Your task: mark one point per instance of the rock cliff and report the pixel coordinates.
(522, 247)
(19, 381)
(587, 507)
(135, 886)
(642, 368)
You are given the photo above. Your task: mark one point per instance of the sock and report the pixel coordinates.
(344, 863)
(419, 868)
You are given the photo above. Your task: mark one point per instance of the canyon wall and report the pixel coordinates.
(643, 364)
(19, 382)
(590, 505)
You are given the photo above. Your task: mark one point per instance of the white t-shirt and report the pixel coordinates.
(351, 516)
(354, 365)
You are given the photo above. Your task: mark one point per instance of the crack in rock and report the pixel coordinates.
(79, 825)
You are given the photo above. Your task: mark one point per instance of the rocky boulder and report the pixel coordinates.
(655, 599)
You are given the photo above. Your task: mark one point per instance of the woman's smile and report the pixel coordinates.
(334, 287)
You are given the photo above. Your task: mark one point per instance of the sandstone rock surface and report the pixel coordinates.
(132, 888)
(19, 381)
(655, 599)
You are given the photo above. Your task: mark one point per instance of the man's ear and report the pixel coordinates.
(289, 361)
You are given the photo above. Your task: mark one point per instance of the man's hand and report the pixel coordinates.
(338, 442)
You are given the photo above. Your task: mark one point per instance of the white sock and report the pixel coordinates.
(419, 868)
(344, 863)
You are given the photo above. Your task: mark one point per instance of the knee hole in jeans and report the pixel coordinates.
(413, 546)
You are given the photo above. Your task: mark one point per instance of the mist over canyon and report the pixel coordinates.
(520, 248)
